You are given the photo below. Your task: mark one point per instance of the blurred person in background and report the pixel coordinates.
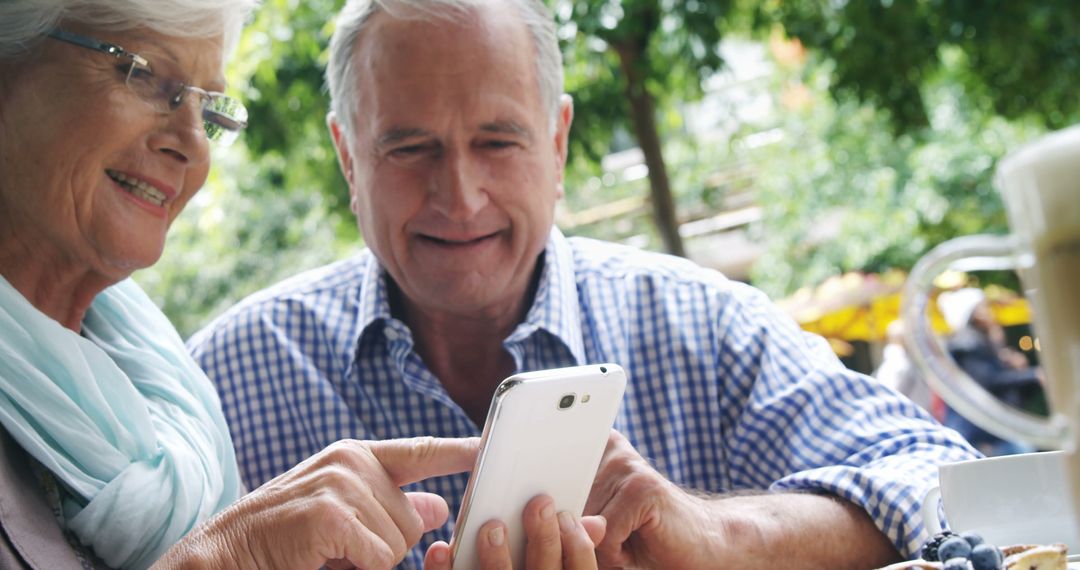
(978, 344)
(899, 372)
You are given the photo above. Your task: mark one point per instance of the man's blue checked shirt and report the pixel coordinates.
(725, 392)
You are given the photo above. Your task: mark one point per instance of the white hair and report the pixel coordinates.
(22, 22)
(958, 306)
(341, 80)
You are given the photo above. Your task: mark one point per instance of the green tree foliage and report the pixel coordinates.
(926, 96)
(623, 58)
(1019, 58)
(842, 193)
(280, 66)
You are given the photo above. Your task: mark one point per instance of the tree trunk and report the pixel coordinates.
(643, 114)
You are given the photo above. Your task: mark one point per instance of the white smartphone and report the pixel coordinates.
(545, 433)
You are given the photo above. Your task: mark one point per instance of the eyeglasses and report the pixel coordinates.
(223, 116)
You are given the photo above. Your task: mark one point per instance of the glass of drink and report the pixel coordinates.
(1040, 187)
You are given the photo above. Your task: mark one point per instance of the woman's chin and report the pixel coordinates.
(123, 265)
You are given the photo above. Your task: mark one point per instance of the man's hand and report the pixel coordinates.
(342, 507)
(652, 523)
(553, 541)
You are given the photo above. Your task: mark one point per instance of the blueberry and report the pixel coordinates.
(954, 547)
(973, 538)
(987, 557)
(957, 563)
(930, 549)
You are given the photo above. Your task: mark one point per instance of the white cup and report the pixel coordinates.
(1013, 499)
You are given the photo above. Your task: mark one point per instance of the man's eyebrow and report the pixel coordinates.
(395, 136)
(507, 128)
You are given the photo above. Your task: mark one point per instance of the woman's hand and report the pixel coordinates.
(553, 540)
(342, 506)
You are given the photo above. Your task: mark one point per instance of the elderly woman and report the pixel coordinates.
(113, 450)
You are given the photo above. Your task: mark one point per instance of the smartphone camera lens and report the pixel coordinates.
(566, 402)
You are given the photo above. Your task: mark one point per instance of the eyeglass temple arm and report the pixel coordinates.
(86, 42)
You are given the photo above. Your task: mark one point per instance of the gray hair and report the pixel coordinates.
(22, 22)
(341, 77)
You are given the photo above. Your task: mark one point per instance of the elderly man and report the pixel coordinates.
(451, 129)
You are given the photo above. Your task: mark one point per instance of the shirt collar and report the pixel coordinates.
(555, 308)
(374, 293)
(373, 302)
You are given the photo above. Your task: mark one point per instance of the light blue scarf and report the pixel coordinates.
(124, 417)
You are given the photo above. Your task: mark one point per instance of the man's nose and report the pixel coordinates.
(458, 190)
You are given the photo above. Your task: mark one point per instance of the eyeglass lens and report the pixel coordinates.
(223, 116)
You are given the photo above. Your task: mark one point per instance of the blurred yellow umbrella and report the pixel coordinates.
(859, 307)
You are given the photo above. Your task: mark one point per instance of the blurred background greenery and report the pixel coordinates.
(780, 141)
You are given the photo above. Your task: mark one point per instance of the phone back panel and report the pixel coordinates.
(533, 445)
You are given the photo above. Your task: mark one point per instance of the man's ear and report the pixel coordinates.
(344, 156)
(563, 120)
(341, 146)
